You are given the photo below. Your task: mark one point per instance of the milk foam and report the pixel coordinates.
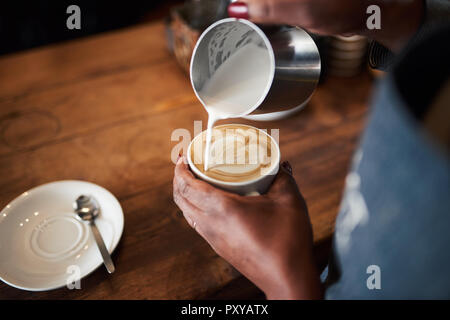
(238, 153)
(236, 87)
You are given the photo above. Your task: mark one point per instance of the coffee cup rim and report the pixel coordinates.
(227, 183)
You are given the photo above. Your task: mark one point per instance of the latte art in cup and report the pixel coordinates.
(238, 153)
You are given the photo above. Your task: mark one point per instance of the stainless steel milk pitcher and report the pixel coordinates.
(295, 63)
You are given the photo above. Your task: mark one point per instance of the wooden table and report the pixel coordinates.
(102, 109)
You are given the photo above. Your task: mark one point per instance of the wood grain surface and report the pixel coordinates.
(102, 109)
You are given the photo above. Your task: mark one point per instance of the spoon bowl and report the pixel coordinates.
(86, 207)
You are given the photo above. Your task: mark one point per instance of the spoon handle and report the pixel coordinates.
(101, 246)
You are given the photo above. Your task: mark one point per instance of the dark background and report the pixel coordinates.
(28, 24)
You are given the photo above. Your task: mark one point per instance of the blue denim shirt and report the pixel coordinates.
(392, 234)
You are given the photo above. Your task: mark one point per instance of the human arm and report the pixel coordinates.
(399, 19)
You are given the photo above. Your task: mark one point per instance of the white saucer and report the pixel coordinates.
(41, 236)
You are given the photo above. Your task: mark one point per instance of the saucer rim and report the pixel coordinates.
(114, 245)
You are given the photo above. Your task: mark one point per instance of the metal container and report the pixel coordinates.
(295, 63)
(185, 24)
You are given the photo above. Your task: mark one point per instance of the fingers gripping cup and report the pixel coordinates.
(243, 159)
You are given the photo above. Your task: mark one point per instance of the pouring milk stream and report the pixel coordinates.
(235, 87)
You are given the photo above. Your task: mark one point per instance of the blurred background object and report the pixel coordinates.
(347, 55)
(186, 22)
(340, 56)
(28, 24)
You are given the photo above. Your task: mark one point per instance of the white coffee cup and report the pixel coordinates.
(257, 186)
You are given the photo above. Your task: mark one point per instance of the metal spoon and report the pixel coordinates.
(88, 209)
